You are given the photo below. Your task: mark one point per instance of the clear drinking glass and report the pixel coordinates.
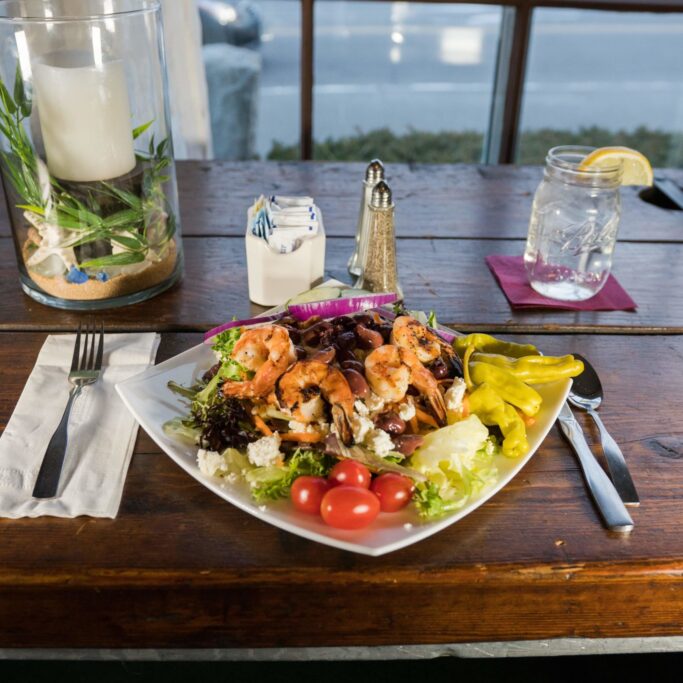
(573, 226)
(86, 151)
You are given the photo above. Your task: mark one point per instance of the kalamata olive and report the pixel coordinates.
(289, 321)
(315, 335)
(300, 352)
(345, 340)
(353, 365)
(439, 369)
(345, 355)
(407, 443)
(343, 322)
(364, 319)
(367, 338)
(294, 334)
(357, 383)
(311, 337)
(385, 331)
(211, 372)
(390, 422)
(313, 320)
(454, 366)
(325, 355)
(329, 338)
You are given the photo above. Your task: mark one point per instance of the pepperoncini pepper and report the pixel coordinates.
(533, 369)
(492, 410)
(508, 387)
(489, 344)
(497, 372)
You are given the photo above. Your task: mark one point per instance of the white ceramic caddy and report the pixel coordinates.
(275, 278)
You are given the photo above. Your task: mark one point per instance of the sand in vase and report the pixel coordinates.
(119, 285)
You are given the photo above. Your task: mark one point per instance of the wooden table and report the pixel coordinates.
(180, 568)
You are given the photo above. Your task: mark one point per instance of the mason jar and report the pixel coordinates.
(87, 156)
(573, 226)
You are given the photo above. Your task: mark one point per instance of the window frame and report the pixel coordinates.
(501, 139)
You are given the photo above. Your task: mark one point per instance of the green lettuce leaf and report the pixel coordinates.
(272, 483)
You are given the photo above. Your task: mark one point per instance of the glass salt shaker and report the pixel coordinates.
(379, 267)
(573, 226)
(373, 174)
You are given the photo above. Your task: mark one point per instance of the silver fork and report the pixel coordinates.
(85, 369)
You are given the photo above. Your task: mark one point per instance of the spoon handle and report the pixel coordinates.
(616, 464)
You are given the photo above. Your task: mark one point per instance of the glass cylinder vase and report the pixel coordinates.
(87, 156)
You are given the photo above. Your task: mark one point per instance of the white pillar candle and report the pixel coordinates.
(85, 117)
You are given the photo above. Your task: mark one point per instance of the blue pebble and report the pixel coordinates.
(102, 277)
(75, 276)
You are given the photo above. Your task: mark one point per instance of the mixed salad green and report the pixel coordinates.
(451, 464)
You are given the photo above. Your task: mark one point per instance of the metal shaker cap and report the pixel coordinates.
(374, 172)
(381, 196)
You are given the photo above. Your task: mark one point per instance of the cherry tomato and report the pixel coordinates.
(350, 473)
(349, 507)
(393, 490)
(307, 493)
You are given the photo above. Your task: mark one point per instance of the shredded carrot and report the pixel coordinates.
(306, 437)
(262, 426)
(465, 410)
(426, 418)
(414, 427)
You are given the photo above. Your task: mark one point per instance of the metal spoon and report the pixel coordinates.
(586, 393)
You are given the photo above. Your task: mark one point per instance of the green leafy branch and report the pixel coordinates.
(126, 228)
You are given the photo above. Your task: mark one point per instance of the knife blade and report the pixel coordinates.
(602, 490)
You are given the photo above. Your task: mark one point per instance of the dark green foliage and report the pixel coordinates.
(662, 148)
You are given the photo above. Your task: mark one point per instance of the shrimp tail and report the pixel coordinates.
(438, 406)
(341, 422)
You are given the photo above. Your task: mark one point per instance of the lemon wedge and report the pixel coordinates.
(636, 167)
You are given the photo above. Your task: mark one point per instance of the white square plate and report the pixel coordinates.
(152, 404)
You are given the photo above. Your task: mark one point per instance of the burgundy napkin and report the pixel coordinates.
(511, 275)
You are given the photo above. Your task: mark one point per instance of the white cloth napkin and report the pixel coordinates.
(102, 431)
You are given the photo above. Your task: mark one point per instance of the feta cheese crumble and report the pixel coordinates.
(300, 427)
(380, 442)
(406, 411)
(211, 463)
(455, 395)
(265, 452)
(374, 403)
(361, 427)
(361, 408)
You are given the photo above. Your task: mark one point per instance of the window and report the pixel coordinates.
(600, 78)
(403, 81)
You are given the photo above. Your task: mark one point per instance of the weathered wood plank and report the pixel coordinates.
(448, 276)
(432, 200)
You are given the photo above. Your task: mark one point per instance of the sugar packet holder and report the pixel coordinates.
(275, 277)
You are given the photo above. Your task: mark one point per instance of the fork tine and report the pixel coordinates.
(77, 349)
(84, 358)
(100, 349)
(91, 359)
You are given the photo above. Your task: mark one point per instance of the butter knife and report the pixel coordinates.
(601, 488)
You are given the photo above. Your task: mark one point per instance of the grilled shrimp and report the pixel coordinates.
(266, 351)
(411, 334)
(390, 370)
(300, 389)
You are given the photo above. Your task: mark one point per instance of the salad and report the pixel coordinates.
(350, 409)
